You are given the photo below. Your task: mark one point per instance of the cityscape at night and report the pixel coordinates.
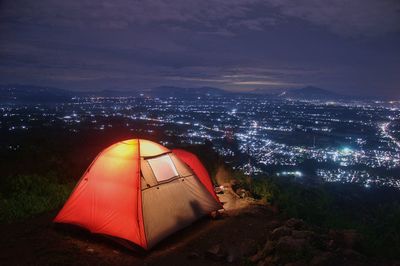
(200, 132)
(332, 141)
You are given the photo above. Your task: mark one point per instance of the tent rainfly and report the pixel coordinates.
(140, 192)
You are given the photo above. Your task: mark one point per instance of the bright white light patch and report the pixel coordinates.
(163, 168)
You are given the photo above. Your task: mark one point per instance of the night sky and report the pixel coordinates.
(347, 46)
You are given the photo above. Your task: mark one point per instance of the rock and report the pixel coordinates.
(268, 248)
(296, 263)
(353, 255)
(193, 255)
(215, 252)
(298, 234)
(268, 261)
(257, 257)
(90, 250)
(231, 257)
(295, 224)
(322, 259)
(288, 244)
(274, 224)
(330, 244)
(280, 232)
(215, 215)
(345, 238)
(241, 192)
(247, 247)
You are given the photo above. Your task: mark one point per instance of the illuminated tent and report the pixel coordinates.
(138, 191)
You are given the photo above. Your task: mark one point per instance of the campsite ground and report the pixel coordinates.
(246, 227)
(241, 229)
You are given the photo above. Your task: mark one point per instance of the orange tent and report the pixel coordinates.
(140, 192)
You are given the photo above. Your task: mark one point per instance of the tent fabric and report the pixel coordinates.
(151, 149)
(194, 163)
(107, 199)
(119, 194)
(174, 205)
(163, 168)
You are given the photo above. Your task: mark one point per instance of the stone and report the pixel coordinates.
(295, 223)
(193, 255)
(231, 257)
(351, 254)
(247, 247)
(280, 232)
(269, 247)
(268, 261)
(298, 234)
(90, 250)
(288, 244)
(257, 257)
(322, 259)
(296, 263)
(345, 238)
(215, 252)
(274, 224)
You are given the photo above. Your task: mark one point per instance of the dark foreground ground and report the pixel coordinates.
(239, 231)
(247, 233)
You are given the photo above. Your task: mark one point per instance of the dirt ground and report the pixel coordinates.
(240, 230)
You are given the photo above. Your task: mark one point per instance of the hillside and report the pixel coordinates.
(247, 233)
(32, 94)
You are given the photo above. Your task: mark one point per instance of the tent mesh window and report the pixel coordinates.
(163, 168)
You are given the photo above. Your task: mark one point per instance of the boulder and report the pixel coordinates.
(288, 244)
(257, 257)
(297, 263)
(294, 223)
(268, 261)
(352, 255)
(216, 252)
(345, 238)
(299, 234)
(280, 232)
(231, 257)
(193, 255)
(247, 247)
(267, 249)
(322, 259)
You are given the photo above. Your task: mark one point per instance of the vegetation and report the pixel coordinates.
(22, 196)
(374, 213)
(31, 189)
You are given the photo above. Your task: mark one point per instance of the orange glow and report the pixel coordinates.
(108, 198)
(149, 148)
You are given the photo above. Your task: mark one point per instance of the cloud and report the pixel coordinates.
(344, 17)
(234, 44)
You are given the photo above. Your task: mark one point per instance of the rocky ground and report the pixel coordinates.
(247, 233)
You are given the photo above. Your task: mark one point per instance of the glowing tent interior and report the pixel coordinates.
(138, 191)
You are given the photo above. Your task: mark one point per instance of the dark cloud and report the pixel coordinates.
(365, 17)
(235, 44)
(355, 17)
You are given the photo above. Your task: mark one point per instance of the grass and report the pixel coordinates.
(331, 206)
(23, 196)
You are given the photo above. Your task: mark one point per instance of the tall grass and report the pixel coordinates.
(339, 207)
(23, 196)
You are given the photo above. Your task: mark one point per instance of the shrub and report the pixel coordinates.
(331, 207)
(22, 196)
